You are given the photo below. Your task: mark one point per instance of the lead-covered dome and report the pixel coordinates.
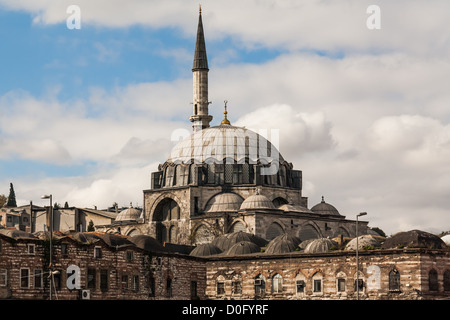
(324, 208)
(224, 202)
(129, 214)
(257, 201)
(215, 144)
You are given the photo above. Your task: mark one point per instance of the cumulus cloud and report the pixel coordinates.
(313, 25)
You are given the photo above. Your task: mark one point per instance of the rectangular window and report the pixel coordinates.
(169, 287)
(91, 278)
(151, 285)
(24, 278)
(64, 250)
(104, 280)
(3, 277)
(300, 286)
(124, 281)
(193, 289)
(317, 285)
(31, 248)
(220, 288)
(341, 285)
(236, 287)
(136, 283)
(97, 252)
(38, 279)
(130, 256)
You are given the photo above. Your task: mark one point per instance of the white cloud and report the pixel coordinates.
(418, 27)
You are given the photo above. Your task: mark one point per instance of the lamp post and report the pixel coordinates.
(51, 236)
(357, 261)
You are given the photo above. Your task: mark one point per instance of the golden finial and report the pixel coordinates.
(225, 120)
(200, 9)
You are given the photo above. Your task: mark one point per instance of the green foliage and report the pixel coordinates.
(379, 231)
(91, 226)
(12, 197)
(3, 200)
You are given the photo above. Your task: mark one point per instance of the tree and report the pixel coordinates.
(91, 226)
(12, 197)
(3, 200)
(66, 205)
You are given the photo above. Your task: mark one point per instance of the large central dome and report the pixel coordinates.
(225, 143)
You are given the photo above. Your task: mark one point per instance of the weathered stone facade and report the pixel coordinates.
(107, 271)
(398, 274)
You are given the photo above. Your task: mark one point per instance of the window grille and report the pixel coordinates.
(394, 280)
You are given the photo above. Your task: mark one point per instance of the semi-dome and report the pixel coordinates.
(224, 202)
(366, 240)
(320, 245)
(224, 141)
(243, 247)
(257, 201)
(205, 249)
(282, 244)
(324, 208)
(129, 214)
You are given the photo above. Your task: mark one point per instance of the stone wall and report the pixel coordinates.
(328, 270)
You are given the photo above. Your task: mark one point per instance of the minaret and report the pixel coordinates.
(200, 118)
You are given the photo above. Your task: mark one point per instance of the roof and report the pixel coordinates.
(257, 201)
(205, 249)
(147, 243)
(414, 239)
(294, 208)
(324, 208)
(17, 234)
(282, 244)
(214, 144)
(320, 245)
(363, 241)
(200, 58)
(224, 202)
(243, 247)
(129, 214)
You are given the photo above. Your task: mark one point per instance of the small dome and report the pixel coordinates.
(129, 214)
(147, 243)
(446, 239)
(324, 208)
(205, 249)
(257, 201)
(224, 202)
(320, 245)
(221, 241)
(282, 244)
(305, 243)
(294, 208)
(243, 247)
(366, 240)
(414, 239)
(236, 237)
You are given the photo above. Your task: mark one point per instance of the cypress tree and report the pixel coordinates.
(12, 197)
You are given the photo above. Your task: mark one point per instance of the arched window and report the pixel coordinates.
(279, 202)
(433, 280)
(260, 285)
(394, 280)
(447, 280)
(308, 232)
(273, 231)
(238, 226)
(277, 283)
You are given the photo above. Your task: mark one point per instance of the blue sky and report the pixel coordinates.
(88, 114)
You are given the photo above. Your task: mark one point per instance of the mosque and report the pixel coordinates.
(224, 179)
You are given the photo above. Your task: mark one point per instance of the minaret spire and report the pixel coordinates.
(200, 118)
